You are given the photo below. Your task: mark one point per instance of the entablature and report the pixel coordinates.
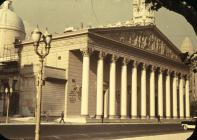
(149, 58)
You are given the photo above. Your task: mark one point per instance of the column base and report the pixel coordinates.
(181, 117)
(99, 117)
(188, 117)
(134, 117)
(143, 117)
(113, 117)
(161, 117)
(168, 117)
(124, 117)
(175, 117)
(85, 116)
(152, 117)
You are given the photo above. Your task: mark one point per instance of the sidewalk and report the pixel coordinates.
(24, 120)
(177, 136)
(31, 120)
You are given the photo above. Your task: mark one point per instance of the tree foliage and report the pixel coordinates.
(1, 1)
(186, 8)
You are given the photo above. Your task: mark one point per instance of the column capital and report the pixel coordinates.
(181, 76)
(187, 77)
(114, 58)
(161, 70)
(143, 65)
(135, 63)
(167, 72)
(86, 51)
(125, 61)
(153, 68)
(101, 54)
(175, 74)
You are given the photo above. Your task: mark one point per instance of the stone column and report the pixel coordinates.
(175, 95)
(123, 110)
(152, 92)
(112, 88)
(106, 105)
(143, 91)
(187, 100)
(134, 91)
(85, 82)
(160, 93)
(181, 105)
(168, 104)
(100, 102)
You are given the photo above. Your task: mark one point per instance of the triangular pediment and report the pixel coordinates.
(147, 38)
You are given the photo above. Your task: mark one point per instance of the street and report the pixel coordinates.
(90, 131)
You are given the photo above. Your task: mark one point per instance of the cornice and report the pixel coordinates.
(62, 36)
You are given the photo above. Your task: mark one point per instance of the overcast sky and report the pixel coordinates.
(58, 14)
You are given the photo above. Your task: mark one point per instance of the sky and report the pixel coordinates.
(56, 15)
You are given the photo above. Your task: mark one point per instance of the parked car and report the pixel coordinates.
(190, 124)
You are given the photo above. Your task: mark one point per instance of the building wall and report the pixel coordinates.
(58, 58)
(27, 96)
(74, 83)
(28, 68)
(53, 98)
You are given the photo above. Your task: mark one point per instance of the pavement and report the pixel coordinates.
(25, 120)
(31, 120)
(92, 131)
(142, 130)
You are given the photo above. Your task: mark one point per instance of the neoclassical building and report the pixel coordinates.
(119, 72)
(122, 73)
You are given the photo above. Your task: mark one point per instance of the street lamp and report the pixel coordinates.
(42, 53)
(8, 92)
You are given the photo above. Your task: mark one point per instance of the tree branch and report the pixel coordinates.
(186, 8)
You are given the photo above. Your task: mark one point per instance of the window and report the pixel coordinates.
(59, 57)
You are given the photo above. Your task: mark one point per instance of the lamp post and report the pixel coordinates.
(8, 92)
(42, 53)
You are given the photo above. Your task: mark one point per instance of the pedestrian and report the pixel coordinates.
(46, 116)
(158, 119)
(62, 117)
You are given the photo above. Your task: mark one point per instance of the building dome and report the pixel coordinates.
(11, 29)
(187, 45)
(9, 20)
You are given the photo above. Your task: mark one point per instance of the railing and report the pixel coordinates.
(9, 53)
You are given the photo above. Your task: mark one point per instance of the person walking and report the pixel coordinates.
(62, 117)
(158, 119)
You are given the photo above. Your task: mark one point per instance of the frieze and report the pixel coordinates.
(143, 39)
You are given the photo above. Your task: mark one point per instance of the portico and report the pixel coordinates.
(153, 72)
(154, 87)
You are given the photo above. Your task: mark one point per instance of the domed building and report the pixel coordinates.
(12, 31)
(11, 27)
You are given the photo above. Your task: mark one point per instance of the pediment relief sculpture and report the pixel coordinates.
(143, 39)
